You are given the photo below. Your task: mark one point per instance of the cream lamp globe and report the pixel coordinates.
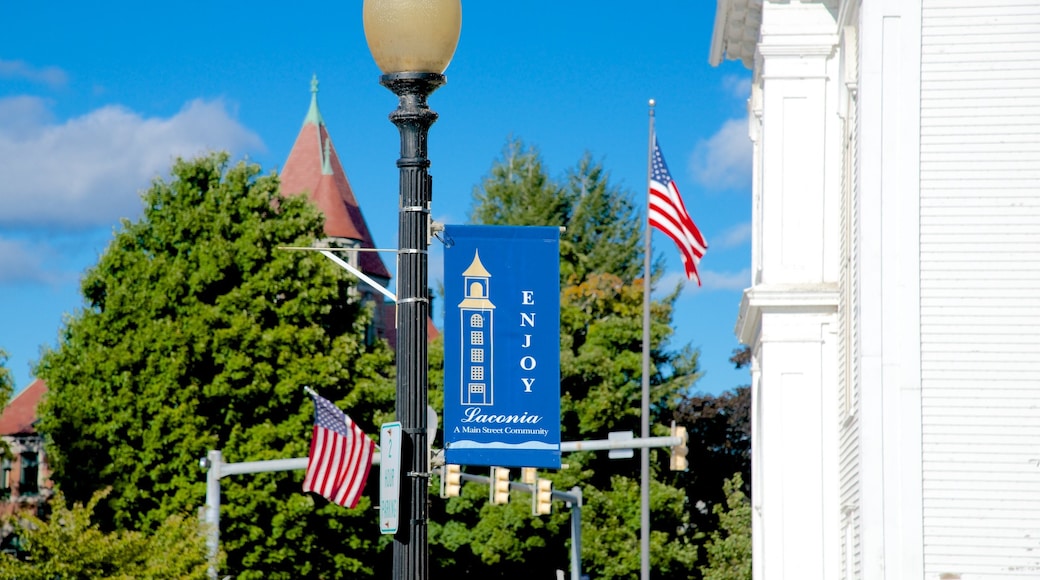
(417, 36)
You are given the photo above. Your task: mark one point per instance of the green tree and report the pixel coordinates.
(519, 192)
(69, 545)
(601, 370)
(611, 532)
(598, 216)
(6, 380)
(6, 390)
(719, 430)
(591, 243)
(198, 333)
(729, 548)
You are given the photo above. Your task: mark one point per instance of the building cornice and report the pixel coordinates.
(737, 24)
(739, 33)
(782, 299)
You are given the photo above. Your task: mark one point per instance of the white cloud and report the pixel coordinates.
(710, 280)
(738, 86)
(723, 161)
(20, 262)
(89, 170)
(726, 280)
(21, 116)
(670, 280)
(734, 237)
(16, 69)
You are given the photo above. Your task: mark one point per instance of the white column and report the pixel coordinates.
(788, 316)
(796, 512)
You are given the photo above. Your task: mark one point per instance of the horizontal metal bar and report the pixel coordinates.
(272, 465)
(601, 444)
(520, 486)
(566, 446)
(316, 249)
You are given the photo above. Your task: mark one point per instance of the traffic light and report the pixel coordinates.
(528, 474)
(499, 485)
(451, 481)
(678, 460)
(541, 499)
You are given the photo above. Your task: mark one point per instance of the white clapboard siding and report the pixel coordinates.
(980, 288)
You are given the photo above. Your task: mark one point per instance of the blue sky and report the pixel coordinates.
(96, 100)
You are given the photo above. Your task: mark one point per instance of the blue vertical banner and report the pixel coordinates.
(502, 346)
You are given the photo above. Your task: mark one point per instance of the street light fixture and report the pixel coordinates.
(412, 42)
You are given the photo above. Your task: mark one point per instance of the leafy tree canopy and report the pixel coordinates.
(719, 431)
(729, 549)
(69, 544)
(6, 390)
(6, 380)
(199, 333)
(518, 192)
(599, 217)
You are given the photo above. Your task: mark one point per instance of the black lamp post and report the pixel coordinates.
(412, 42)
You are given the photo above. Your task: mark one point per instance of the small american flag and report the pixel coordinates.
(667, 213)
(340, 457)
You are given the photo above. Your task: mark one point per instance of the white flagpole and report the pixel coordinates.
(644, 456)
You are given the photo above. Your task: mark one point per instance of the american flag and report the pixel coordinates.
(341, 455)
(668, 213)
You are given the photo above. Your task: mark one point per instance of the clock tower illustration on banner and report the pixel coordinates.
(477, 322)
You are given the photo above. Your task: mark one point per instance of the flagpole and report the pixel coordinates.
(644, 456)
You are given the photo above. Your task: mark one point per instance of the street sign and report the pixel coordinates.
(620, 436)
(389, 476)
(502, 346)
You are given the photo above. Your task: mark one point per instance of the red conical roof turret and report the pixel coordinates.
(314, 168)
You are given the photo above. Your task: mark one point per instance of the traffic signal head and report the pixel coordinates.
(528, 474)
(451, 481)
(677, 461)
(499, 485)
(541, 502)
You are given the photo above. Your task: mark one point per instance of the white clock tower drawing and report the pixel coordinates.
(476, 321)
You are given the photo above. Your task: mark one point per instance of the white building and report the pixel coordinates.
(894, 310)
